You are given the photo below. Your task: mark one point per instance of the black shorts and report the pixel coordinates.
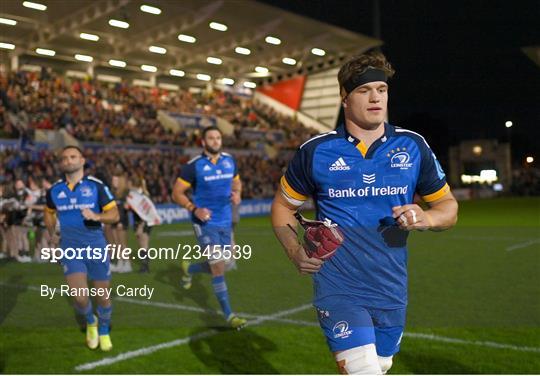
(137, 221)
(124, 219)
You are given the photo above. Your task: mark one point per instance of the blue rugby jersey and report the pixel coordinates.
(356, 188)
(211, 181)
(68, 201)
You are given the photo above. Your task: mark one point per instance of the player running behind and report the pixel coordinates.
(216, 185)
(82, 204)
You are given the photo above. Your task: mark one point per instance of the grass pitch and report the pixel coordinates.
(474, 307)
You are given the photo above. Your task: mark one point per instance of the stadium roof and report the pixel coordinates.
(248, 25)
(533, 52)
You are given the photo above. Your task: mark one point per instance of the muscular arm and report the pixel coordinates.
(49, 218)
(441, 215)
(236, 195)
(179, 195)
(110, 216)
(282, 216)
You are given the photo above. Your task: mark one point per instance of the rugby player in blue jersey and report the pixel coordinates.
(81, 204)
(363, 177)
(216, 185)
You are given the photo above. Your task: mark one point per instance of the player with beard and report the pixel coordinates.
(216, 185)
(82, 204)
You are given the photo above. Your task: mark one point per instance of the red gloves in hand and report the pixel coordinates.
(322, 238)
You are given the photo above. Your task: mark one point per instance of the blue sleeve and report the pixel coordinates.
(431, 183)
(187, 175)
(298, 176)
(49, 200)
(105, 197)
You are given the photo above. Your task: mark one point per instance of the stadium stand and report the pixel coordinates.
(120, 113)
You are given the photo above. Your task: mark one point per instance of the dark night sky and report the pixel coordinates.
(460, 69)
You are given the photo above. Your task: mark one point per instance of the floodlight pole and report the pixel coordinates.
(509, 138)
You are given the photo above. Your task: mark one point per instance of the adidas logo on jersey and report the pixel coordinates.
(61, 195)
(207, 168)
(339, 165)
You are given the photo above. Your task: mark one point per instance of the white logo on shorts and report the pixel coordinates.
(341, 330)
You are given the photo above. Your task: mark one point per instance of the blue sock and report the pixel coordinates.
(220, 289)
(201, 267)
(87, 312)
(104, 314)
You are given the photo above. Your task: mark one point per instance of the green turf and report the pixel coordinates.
(478, 283)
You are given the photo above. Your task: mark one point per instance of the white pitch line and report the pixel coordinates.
(20, 287)
(183, 233)
(493, 238)
(163, 305)
(144, 351)
(182, 307)
(425, 336)
(495, 345)
(522, 245)
(178, 342)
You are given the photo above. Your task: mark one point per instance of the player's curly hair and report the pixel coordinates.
(359, 64)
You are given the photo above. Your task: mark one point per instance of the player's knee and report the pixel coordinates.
(217, 268)
(81, 301)
(102, 300)
(385, 362)
(361, 360)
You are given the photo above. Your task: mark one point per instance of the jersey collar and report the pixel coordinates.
(359, 144)
(212, 160)
(72, 187)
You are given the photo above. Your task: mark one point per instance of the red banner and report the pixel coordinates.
(288, 92)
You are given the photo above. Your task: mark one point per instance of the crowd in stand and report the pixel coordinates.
(26, 175)
(119, 115)
(158, 167)
(91, 110)
(21, 218)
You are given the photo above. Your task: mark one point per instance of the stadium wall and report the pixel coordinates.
(321, 98)
(172, 213)
(287, 111)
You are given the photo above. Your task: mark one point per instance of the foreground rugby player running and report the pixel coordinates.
(363, 177)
